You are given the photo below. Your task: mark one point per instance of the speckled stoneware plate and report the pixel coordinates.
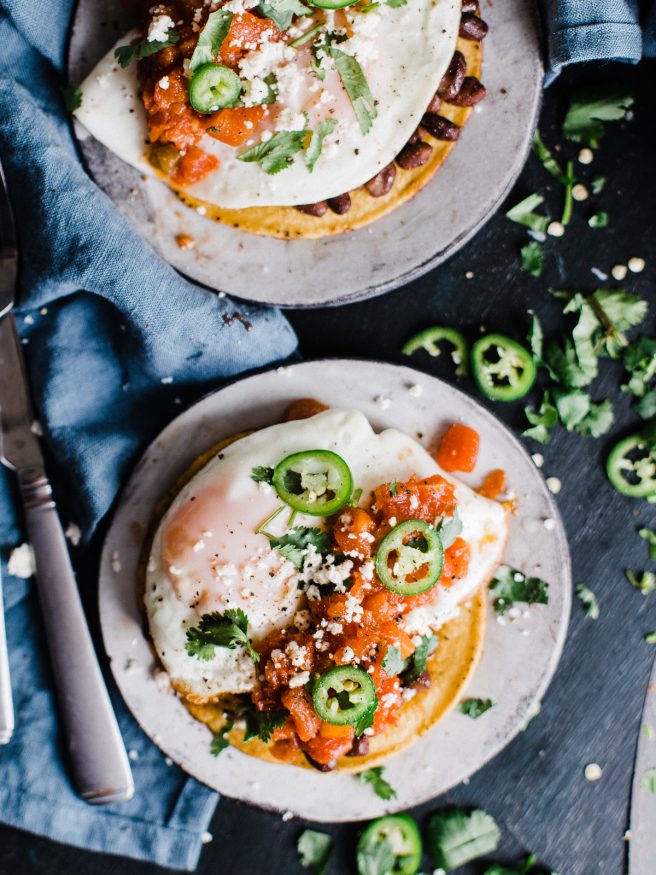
(335, 270)
(519, 657)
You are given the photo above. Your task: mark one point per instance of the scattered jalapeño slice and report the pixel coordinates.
(317, 482)
(631, 466)
(401, 832)
(503, 369)
(344, 695)
(409, 559)
(214, 87)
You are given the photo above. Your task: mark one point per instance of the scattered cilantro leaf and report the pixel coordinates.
(618, 311)
(374, 777)
(548, 161)
(597, 185)
(314, 851)
(650, 537)
(640, 362)
(528, 865)
(376, 859)
(645, 407)
(219, 741)
(590, 108)
(356, 86)
(589, 601)
(72, 95)
(648, 781)
(143, 49)
(536, 337)
(541, 420)
(450, 528)
(281, 12)
(220, 630)
(475, 707)
(532, 258)
(211, 38)
(294, 543)
(396, 4)
(650, 638)
(316, 142)
(649, 731)
(262, 475)
(598, 220)
(393, 662)
(509, 586)
(455, 837)
(524, 213)
(261, 724)
(366, 720)
(393, 488)
(568, 182)
(419, 659)
(277, 153)
(646, 582)
(579, 413)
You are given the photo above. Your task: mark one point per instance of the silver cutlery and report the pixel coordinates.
(98, 761)
(642, 831)
(6, 701)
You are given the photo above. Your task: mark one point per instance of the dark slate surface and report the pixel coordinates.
(535, 788)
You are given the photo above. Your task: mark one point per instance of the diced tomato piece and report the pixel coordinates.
(327, 750)
(299, 704)
(494, 484)
(234, 126)
(458, 450)
(416, 499)
(246, 31)
(456, 562)
(193, 166)
(354, 532)
(304, 408)
(379, 608)
(170, 117)
(329, 730)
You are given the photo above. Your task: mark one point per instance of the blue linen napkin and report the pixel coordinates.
(117, 341)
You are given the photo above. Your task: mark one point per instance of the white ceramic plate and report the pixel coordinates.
(335, 270)
(519, 658)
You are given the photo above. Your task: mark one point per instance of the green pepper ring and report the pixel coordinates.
(342, 489)
(482, 370)
(363, 701)
(620, 451)
(213, 87)
(428, 340)
(406, 863)
(434, 557)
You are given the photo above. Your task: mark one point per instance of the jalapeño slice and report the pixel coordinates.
(317, 482)
(431, 339)
(344, 695)
(503, 369)
(631, 466)
(409, 559)
(214, 87)
(401, 833)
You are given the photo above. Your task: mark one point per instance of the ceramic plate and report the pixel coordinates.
(519, 657)
(335, 270)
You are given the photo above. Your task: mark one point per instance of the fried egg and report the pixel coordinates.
(207, 554)
(403, 52)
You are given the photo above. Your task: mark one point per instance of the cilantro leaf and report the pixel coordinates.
(143, 49)
(376, 859)
(356, 86)
(219, 740)
(374, 777)
(579, 413)
(646, 406)
(281, 12)
(211, 38)
(541, 420)
(262, 475)
(366, 720)
(220, 630)
(598, 184)
(455, 837)
(529, 865)
(618, 311)
(510, 586)
(589, 601)
(475, 707)
(261, 724)
(314, 851)
(548, 161)
(650, 537)
(532, 258)
(536, 337)
(419, 659)
(648, 781)
(589, 108)
(640, 362)
(294, 543)
(393, 662)
(313, 151)
(72, 95)
(650, 638)
(449, 528)
(646, 583)
(276, 153)
(524, 213)
(598, 220)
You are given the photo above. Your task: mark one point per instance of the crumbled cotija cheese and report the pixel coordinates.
(159, 28)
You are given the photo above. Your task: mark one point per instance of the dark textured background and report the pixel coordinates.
(535, 788)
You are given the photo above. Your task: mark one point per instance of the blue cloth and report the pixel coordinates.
(117, 341)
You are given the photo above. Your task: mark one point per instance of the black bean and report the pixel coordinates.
(472, 27)
(471, 93)
(318, 209)
(360, 747)
(470, 6)
(382, 182)
(436, 103)
(321, 767)
(441, 128)
(340, 204)
(414, 155)
(453, 78)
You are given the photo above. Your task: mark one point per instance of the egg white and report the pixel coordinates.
(373, 459)
(403, 51)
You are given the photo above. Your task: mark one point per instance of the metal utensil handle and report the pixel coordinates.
(101, 771)
(6, 701)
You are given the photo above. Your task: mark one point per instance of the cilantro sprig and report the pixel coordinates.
(314, 851)
(144, 48)
(590, 108)
(475, 707)
(276, 153)
(294, 543)
(282, 12)
(374, 778)
(211, 38)
(220, 630)
(220, 741)
(510, 585)
(589, 601)
(356, 86)
(455, 837)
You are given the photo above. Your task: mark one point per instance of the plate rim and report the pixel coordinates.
(540, 688)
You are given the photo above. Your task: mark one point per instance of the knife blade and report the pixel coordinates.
(642, 831)
(8, 250)
(19, 446)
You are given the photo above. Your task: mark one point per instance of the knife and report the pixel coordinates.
(642, 834)
(98, 761)
(6, 701)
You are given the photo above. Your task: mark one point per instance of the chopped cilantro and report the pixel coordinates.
(640, 362)
(220, 630)
(646, 582)
(589, 601)
(262, 475)
(532, 258)
(589, 109)
(509, 586)
(536, 337)
(395, 4)
(211, 38)
(645, 407)
(72, 95)
(281, 12)
(356, 86)
(475, 707)
(126, 54)
(276, 153)
(219, 740)
(650, 637)
(392, 488)
(598, 220)
(548, 161)
(378, 858)
(568, 182)
(366, 720)
(648, 781)
(393, 662)
(374, 777)
(455, 837)
(314, 851)
(293, 544)
(449, 528)
(649, 731)
(261, 724)
(597, 185)
(524, 213)
(541, 420)
(316, 143)
(650, 537)
(419, 659)
(579, 413)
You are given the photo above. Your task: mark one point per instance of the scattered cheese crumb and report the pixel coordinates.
(555, 229)
(469, 275)
(636, 265)
(554, 485)
(116, 562)
(166, 380)
(73, 534)
(586, 156)
(580, 192)
(599, 274)
(416, 390)
(159, 28)
(619, 272)
(538, 460)
(288, 815)
(36, 428)
(383, 402)
(593, 772)
(134, 755)
(549, 524)
(299, 680)
(21, 562)
(206, 838)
